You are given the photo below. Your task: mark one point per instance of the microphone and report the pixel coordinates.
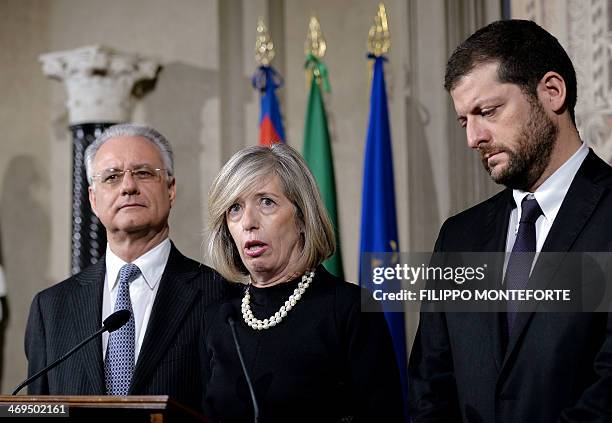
(227, 313)
(116, 320)
(110, 324)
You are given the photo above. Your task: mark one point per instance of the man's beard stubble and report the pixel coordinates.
(527, 162)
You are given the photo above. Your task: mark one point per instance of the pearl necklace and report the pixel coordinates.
(277, 317)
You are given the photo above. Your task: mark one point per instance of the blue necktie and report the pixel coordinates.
(523, 252)
(119, 363)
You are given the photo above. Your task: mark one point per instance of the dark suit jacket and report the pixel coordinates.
(554, 366)
(168, 363)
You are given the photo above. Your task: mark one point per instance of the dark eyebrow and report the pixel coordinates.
(266, 194)
(487, 103)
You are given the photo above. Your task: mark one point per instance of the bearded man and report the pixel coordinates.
(514, 90)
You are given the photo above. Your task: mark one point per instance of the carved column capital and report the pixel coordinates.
(99, 81)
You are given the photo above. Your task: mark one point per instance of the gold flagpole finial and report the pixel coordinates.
(315, 42)
(264, 47)
(379, 40)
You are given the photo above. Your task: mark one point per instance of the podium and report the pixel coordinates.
(153, 409)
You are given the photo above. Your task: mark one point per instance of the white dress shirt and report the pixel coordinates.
(143, 289)
(550, 196)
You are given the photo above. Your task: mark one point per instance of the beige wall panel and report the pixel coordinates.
(35, 153)
(25, 185)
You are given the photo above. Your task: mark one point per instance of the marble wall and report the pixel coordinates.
(585, 31)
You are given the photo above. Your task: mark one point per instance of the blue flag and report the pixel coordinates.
(378, 216)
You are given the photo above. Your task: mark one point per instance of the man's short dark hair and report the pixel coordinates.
(524, 51)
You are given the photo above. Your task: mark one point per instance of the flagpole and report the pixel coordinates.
(378, 211)
(266, 80)
(317, 149)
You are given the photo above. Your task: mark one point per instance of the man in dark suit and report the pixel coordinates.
(514, 91)
(132, 189)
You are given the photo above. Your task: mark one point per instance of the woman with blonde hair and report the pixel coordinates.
(311, 354)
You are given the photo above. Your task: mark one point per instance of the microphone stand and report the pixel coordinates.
(58, 361)
(230, 320)
(111, 324)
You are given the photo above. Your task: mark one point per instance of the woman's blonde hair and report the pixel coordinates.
(245, 170)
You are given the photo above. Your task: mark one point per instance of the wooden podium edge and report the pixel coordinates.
(143, 402)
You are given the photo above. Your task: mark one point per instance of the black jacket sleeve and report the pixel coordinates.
(35, 348)
(433, 393)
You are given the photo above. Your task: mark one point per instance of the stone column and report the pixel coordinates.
(102, 85)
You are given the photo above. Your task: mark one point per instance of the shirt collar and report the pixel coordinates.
(551, 193)
(151, 264)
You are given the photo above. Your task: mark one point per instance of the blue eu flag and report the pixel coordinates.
(378, 216)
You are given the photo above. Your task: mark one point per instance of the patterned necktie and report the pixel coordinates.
(119, 363)
(523, 252)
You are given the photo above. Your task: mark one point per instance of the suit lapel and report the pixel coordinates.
(173, 300)
(578, 205)
(494, 241)
(496, 224)
(86, 316)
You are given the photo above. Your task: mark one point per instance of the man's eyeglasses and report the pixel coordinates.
(142, 173)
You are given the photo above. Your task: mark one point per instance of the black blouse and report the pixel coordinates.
(325, 361)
